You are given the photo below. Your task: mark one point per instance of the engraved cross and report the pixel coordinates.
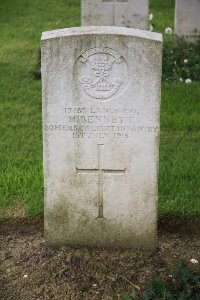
(100, 171)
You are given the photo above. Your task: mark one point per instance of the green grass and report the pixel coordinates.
(163, 12)
(179, 181)
(21, 25)
(21, 178)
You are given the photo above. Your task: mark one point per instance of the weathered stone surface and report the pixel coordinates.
(101, 104)
(187, 20)
(124, 13)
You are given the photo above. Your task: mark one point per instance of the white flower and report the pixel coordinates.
(150, 27)
(188, 81)
(185, 61)
(150, 17)
(168, 30)
(194, 261)
(170, 276)
(181, 79)
(25, 276)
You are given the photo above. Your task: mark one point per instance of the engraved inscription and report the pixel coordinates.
(102, 72)
(100, 171)
(103, 122)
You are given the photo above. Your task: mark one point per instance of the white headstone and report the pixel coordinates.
(187, 20)
(124, 13)
(101, 104)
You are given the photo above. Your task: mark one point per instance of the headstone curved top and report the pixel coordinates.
(101, 103)
(125, 13)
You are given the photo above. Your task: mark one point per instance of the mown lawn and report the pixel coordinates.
(21, 178)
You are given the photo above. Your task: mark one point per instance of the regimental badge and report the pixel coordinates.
(103, 72)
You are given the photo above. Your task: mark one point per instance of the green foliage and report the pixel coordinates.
(128, 298)
(163, 16)
(181, 61)
(156, 289)
(183, 284)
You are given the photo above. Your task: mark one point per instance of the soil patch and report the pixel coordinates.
(30, 270)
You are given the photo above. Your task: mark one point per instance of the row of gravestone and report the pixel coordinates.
(135, 14)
